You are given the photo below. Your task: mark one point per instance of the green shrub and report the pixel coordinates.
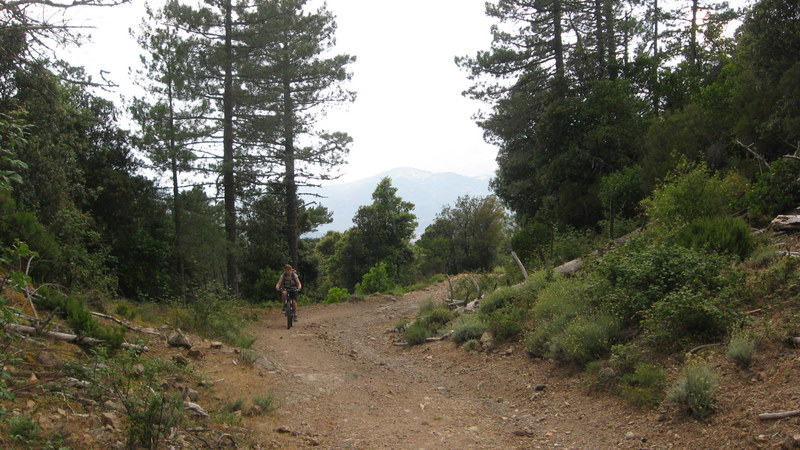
(729, 235)
(152, 415)
(584, 339)
(471, 345)
(506, 324)
(337, 295)
(644, 386)
(376, 280)
(776, 191)
(468, 328)
(22, 428)
(212, 313)
(249, 356)
(417, 333)
(741, 349)
(497, 299)
(437, 316)
(626, 357)
(762, 257)
(556, 306)
(696, 389)
(691, 193)
(685, 316)
(631, 279)
(266, 402)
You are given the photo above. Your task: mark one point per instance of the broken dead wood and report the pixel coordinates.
(779, 415)
(794, 340)
(430, 339)
(195, 408)
(701, 347)
(71, 338)
(521, 267)
(451, 302)
(570, 267)
(477, 287)
(788, 222)
(126, 325)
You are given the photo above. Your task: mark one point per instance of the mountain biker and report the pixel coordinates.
(289, 284)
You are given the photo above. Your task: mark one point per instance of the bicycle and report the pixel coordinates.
(287, 305)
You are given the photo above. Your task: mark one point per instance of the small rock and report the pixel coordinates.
(194, 353)
(110, 419)
(608, 373)
(473, 429)
(487, 340)
(190, 394)
(216, 345)
(539, 387)
(630, 435)
(761, 438)
(178, 339)
(509, 351)
(180, 360)
(112, 405)
(138, 369)
(49, 359)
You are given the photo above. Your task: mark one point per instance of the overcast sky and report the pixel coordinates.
(409, 111)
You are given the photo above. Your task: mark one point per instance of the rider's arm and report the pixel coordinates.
(297, 281)
(278, 284)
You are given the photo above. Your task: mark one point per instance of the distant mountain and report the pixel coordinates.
(429, 192)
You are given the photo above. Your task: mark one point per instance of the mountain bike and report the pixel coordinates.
(287, 305)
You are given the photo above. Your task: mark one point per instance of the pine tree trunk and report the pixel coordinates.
(228, 181)
(289, 176)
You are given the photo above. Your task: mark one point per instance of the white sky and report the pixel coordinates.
(409, 111)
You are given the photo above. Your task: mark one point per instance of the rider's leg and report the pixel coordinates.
(294, 306)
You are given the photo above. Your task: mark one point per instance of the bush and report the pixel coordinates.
(691, 193)
(212, 313)
(776, 191)
(556, 306)
(376, 280)
(469, 327)
(762, 257)
(729, 235)
(584, 339)
(417, 333)
(740, 349)
(645, 386)
(266, 402)
(337, 295)
(506, 324)
(631, 279)
(685, 316)
(471, 345)
(696, 389)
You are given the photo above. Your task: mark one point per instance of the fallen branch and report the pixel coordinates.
(126, 325)
(701, 347)
(779, 415)
(440, 338)
(71, 338)
(521, 267)
(477, 286)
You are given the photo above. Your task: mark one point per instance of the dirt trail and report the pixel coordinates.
(342, 383)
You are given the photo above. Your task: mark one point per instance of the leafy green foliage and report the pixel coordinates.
(692, 193)
(729, 235)
(22, 428)
(211, 312)
(696, 388)
(337, 295)
(636, 276)
(776, 191)
(376, 280)
(644, 386)
(467, 236)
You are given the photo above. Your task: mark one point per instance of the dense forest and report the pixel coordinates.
(652, 136)
(592, 106)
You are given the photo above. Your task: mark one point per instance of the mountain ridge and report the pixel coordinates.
(428, 191)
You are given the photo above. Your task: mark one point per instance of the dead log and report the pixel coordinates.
(126, 325)
(477, 287)
(785, 223)
(779, 415)
(71, 338)
(521, 267)
(440, 338)
(568, 268)
(701, 347)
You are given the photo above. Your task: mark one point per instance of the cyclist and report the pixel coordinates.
(289, 284)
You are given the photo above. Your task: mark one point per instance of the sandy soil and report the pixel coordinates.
(341, 382)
